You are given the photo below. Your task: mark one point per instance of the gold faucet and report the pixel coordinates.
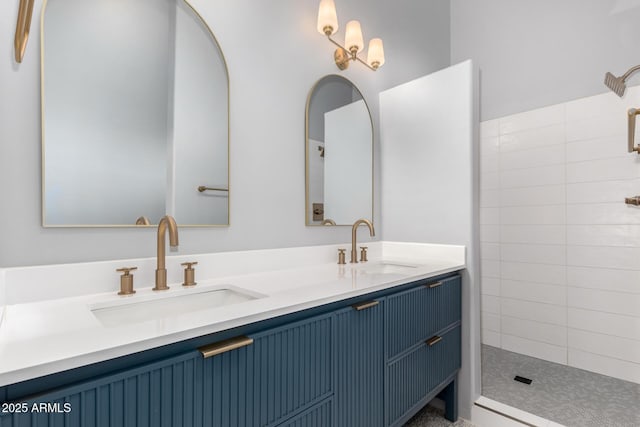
(372, 232)
(161, 272)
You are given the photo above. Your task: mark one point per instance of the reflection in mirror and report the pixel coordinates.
(135, 107)
(339, 154)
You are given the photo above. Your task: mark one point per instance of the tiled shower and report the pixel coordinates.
(560, 250)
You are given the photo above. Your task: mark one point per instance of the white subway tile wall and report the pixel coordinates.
(560, 250)
(3, 292)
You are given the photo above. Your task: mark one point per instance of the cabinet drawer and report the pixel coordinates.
(415, 375)
(228, 388)
(417, 314)
(292, 368)
(278, 375)
(319, 415)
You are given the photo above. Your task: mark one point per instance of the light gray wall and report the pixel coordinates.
(274, 55)
(537, 53)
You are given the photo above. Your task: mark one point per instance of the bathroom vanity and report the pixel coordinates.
(370, 345)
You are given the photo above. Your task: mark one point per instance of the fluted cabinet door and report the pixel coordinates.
(359, 373)
(291, 370)
(414, 376)
(415, 315)
(283, 373)
(227, 393)
(163, 393)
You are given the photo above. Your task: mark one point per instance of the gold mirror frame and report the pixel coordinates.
(329, 222)
(139, 223)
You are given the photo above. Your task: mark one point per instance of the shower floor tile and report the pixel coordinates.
(559, 393)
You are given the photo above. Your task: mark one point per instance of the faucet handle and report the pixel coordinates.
(341, 256)
(126, 280)
(363, 254)
(189, 273)
(190, 263)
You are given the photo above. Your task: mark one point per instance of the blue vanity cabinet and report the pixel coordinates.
(283, 373)
(373, 361)
(359, 362)
(164, 393)
(422, 348)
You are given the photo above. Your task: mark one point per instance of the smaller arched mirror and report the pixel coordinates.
(339, 154)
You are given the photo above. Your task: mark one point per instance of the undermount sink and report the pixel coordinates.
(389, 268)
(164, 306)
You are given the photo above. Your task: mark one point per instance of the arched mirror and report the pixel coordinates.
(135, 115)
(339, 154)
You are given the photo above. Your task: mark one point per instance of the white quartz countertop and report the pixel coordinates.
(46, 336)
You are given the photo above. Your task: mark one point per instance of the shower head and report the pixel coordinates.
(617, 84)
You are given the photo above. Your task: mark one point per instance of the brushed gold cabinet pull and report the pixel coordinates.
(434, 340)
(224, 346)
(433, 285)
(365, 305)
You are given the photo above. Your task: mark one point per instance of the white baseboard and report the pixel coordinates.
(490, 413)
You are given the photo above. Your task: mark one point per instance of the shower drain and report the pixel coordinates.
(523, 379)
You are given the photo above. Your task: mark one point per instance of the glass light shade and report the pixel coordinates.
(375, 54)
(327, 17)
(353, 36)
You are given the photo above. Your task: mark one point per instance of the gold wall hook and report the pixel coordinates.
(23, 26)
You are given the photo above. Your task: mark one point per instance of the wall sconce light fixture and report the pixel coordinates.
(328, 25)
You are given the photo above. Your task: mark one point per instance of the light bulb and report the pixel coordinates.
(327, 18)
(353, 37)
(375, 54)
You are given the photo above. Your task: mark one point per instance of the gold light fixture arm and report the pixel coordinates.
(342, 56)
(23, 26)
